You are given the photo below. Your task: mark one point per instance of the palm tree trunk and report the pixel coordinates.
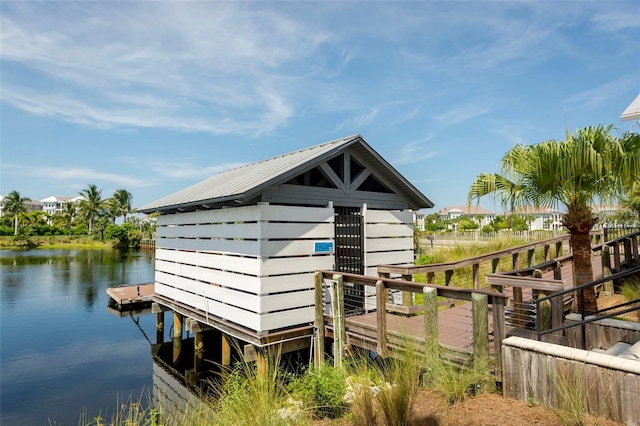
(583, 272)
(15, 225)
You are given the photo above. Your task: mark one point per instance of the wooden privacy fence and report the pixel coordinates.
(387, 329)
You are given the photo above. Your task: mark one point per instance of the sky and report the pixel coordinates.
(154, 96)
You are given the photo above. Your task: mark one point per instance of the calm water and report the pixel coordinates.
(62, 353)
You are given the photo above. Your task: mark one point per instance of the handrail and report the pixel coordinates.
(438, 267)
(414, 287)
(618, 275)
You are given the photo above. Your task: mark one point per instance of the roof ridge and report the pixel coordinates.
(335, 141)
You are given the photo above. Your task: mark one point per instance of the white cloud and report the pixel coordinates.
(415, 151)
(464, 112)
(185, 169)
(597, 96)
(73, 173)
(205, 67)
(359, 121)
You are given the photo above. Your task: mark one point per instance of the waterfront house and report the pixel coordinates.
(238, 251)
(478, 214)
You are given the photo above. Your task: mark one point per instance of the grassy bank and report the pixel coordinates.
(58, 242)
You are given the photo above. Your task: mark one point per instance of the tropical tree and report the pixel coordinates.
(123, 200)
(14, 205)
(631, 200)
(69, 211)
(92, 204)
(590, 165)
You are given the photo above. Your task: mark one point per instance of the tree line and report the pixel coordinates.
(91, 215)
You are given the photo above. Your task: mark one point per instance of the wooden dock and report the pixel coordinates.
(128, 297)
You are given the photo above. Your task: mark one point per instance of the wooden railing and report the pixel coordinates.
(615, 255)
(495, 258)
(334, 282)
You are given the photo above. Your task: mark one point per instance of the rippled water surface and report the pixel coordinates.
(62, 353)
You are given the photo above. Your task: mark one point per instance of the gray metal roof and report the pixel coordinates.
(632, 112)
(245, 182)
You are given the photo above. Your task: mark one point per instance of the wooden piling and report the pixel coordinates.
(381, 305)
(177, 337)
(160, 327)
(225, 350)
(479, 312)
(198, 351)
(430, 302)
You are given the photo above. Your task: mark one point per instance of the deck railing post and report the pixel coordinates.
(606, 269)
(616, 257)
(407, 296)
(546, 253)
(495, 263)
(530, 255)
(558, 248)
(318, 356)
(448, 277)
(339, 332)
(381, 318)
(634, 247)
(514, 261)
(557, 271)
(480, 320)
(497, 308)
(628, 254)
(430, 302)
(475, 271)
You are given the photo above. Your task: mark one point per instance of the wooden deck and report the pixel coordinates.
(131, 296)
(455, 324)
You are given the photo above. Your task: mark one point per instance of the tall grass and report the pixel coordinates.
(572, 408)
(397, 395)
(454, 381)
(631, 291)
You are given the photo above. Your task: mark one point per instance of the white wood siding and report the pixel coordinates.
(388, 241)
(250, 265)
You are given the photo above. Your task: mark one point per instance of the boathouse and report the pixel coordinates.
(238, 251)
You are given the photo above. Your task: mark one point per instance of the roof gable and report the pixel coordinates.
(347, 164)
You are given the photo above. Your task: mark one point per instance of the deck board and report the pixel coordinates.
(130, 295)
(454, 324)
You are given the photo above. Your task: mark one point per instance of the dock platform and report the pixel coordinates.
(128, 297)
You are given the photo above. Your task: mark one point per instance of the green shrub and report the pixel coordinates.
(323, 389)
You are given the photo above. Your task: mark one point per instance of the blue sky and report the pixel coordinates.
(155, 96)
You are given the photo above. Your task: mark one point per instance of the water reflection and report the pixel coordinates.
(62, 353)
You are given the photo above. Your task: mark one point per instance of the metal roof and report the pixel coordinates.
(245, 182)
(633, 110)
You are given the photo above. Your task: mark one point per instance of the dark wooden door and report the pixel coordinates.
(349, 254)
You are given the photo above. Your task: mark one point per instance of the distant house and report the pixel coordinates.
(476, 213)
(55, 204)
(608, 214)
(419, 220)
(32, 205)
(541, 218)
(238, 251)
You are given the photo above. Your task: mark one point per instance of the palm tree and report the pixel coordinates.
(14, 204)
(92, 204)
(69, 213)
(123, 199)
(590, 165)
(631, 200)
